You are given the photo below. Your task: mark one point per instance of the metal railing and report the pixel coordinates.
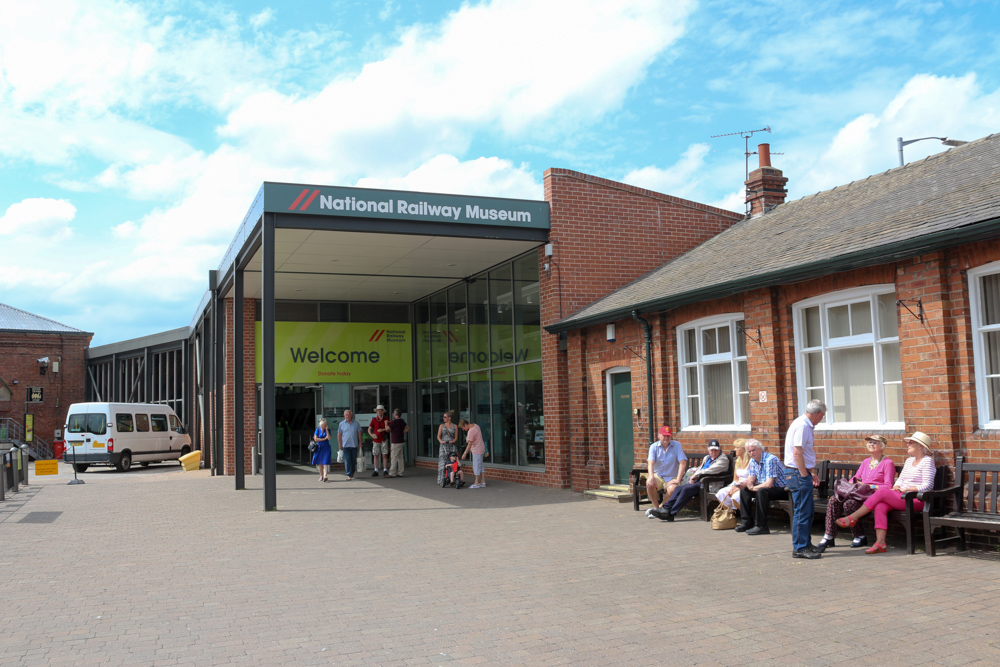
(12, 431)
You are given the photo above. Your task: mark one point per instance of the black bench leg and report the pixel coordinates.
(961, 539)
(908, 525)
(928, 537)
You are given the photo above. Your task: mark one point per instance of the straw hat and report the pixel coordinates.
(876, 438)
(921, 439)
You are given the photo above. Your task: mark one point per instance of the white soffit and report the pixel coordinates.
(359, 266)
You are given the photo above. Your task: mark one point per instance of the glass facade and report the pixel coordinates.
(479, 353)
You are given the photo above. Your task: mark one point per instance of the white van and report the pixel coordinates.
(119, 434)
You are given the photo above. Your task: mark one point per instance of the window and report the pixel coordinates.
(93, 423)
(175, 425)
(847, 347)
(123, 422)
(713, 373)
(984, 300)
(159, 423)
(142, 423)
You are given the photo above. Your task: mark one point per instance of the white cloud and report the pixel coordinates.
(509, 64)
(682, 179)
(488, 176)
(262, 18)
(927, 105)
(38, 217)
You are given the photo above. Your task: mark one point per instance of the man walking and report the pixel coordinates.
(765, 482)
(398, 429)
(801, 477)
(349, 439)
(378, 429)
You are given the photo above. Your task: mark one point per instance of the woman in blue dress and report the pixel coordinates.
(321, 457)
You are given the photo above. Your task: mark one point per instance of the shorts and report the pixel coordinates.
(477, 464)
(379, 448)
(660, 484)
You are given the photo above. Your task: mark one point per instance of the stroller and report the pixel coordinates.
(453, 475)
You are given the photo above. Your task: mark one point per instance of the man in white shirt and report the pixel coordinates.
(667, 464)
(801, 477)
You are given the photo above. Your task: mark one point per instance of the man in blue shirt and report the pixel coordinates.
(349, 438)
(713, 464)
(667, 463)
(801, 477)
(765, 482)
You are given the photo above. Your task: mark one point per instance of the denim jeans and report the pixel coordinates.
(803, 505)
(350, 460)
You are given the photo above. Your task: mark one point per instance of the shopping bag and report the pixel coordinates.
(361, 459)
(340, 456)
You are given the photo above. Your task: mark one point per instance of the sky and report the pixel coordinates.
(135, 135)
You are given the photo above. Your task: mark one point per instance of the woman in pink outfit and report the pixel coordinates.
(917, 475)
(877, 471)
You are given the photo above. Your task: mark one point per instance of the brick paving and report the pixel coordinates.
(401, 572)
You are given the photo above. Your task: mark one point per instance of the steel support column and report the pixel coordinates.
(219, 373)
(267, 403)
(237, 327)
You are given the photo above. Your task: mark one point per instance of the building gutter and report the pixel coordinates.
(879, 255)
(649, 372)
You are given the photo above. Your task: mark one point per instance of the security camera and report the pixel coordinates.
(44, 361)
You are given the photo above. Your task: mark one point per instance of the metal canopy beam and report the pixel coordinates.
(238, 379)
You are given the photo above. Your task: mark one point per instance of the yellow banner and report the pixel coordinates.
(308, 352)
(50, 467)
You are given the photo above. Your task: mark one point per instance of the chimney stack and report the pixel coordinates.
(765, 185)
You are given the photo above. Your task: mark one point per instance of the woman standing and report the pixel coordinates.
(918, 475)
(877, 471)
(729, 495)
(475, 444)
(447, 437)
(321, 457)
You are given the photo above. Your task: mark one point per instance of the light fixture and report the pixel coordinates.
(944, 140)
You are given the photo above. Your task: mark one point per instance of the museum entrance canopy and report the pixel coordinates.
(356, 244)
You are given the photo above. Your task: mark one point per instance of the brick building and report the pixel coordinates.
(42, 372)
(880, 297)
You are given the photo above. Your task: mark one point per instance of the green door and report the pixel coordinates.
(621, 426)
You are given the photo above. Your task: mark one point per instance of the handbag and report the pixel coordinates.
(844, 490)
(340, 456)
(724, 518)
(313, 447)
(361, 459)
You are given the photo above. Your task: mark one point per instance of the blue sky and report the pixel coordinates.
(134, 135)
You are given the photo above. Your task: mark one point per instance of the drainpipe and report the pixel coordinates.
(649, 373)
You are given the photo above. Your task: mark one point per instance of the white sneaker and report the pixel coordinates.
(649, 513)
(475, 486)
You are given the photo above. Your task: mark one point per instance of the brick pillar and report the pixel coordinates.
(249, 418)
(769, 420)
(926, 355)
(576, 423)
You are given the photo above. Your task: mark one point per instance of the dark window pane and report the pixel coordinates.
(501, 316)
(333, 312)
(504, 417)
(380, 312)
(295, 311)
(527, 311)
(479, 333)
(531, 421)
(439, 334)
(458, 331)
(422, 336)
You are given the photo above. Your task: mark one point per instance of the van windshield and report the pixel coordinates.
(94, 422)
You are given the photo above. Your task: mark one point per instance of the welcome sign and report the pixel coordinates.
(322, 352)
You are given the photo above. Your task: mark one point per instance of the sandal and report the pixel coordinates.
(847, 522)
(875, 549)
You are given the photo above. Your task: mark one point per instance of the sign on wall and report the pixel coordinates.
(35, 394)
(29, 427)
(339, 352)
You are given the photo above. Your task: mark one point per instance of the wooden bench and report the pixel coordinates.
(831, 471)
(694, 462)
(977, 510)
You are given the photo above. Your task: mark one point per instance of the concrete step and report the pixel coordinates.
(610, 495)
(620, 488)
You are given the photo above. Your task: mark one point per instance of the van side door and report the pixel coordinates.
(161, 429)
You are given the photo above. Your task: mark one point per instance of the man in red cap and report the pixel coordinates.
(667, 465)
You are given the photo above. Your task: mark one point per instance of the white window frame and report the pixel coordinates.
(701, 360)
(985, 419)
(873, 340)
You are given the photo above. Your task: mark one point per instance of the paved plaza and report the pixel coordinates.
(162, 567)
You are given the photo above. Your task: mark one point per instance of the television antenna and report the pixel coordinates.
(746, 134)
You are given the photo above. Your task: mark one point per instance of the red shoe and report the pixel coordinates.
(847, 522)
(875, 549)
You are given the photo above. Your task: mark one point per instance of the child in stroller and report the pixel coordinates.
(453, 475)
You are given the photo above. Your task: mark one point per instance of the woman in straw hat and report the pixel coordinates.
(878, 472)
(917, 475)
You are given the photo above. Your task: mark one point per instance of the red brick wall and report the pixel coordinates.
(604, 235)
(19, 354)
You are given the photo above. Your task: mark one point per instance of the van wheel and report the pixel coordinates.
(81, 467)
(144, 464)
(185, 450)
(124, 463)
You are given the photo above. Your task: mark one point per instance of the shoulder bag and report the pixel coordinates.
(724, 518)
(844, 490)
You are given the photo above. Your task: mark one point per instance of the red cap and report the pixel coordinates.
(665, 430)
